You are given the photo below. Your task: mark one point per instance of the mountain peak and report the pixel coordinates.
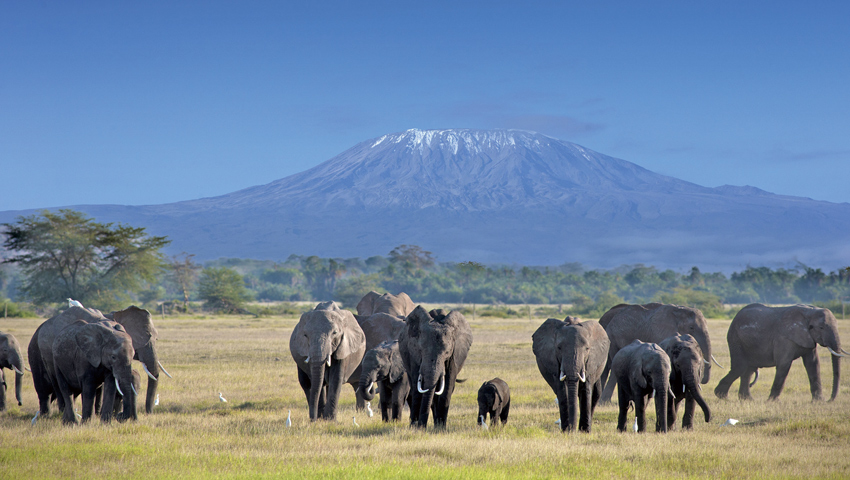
(457, 140)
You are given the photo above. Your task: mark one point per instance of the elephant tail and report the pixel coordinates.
(460, 380)
(755, 379)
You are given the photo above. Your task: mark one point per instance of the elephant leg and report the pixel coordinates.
(87, 398)
(608, 391)
(722, 388)
(360, 402)
(690, 408)
(415, 406)
(672, 409)
(585, 399)
(2, 391)
(64, 390)
(623, 400)
(812, 364)
(98, 393)
(494, 416)
(304, 381)
(335, 381)
(441, 409)
(503, 415)
(594, 399)
(782, 369)
(744, 386)
(640, 411)
(387, 400)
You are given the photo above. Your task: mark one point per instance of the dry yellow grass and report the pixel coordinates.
(193, 435)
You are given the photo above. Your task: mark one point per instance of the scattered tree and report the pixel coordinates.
(184, 273)
(223, 290)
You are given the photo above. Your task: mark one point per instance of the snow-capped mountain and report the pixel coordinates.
(498, 196)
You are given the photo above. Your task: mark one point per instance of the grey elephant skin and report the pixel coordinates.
(88, 355)
(571, 356)
(383, 365)
(642, 369)
(10, 357)
(137, 323)
(433, 347)
(396, 305)
(762, 336)
(494, 399)
(652, 322)
(686, 363)
(327, 345)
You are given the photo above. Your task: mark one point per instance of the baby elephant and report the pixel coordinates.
(687, 364)
(642, 369)
(383, 365)
(494, 398)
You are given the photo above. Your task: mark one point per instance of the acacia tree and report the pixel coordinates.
(67, 254)
(223, 289)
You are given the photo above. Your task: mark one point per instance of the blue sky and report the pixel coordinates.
(153, 102)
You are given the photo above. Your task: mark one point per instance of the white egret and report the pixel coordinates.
(74, 303)
(288, 418)
(156, 401)
(369, 409)
(636, 425)
(354, 419)
(483, 423)
(221, 398)
(35, 418)
(730, 422)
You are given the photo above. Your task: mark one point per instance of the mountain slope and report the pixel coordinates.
(498, 196)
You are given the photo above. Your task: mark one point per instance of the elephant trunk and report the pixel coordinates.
(661, 384)
(129, 398)
(367, 387)
(317, 381)
(572, 406)
(425, 409)
(150, 362)
(836, 376)
(696, 393)
(18, 381)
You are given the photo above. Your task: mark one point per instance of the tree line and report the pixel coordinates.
(54, 255)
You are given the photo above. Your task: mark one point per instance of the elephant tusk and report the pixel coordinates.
(836, 353)
(164, 370)
(582, 377)
(706, 361)
(842, 350)
(670, 390)
(118, 387)
(683, 388)
(442, 386)
(308, 360)
(419, 385)
(562, 377)
(329, 360)
(28, 369)
(133, 388)
(149, 373)
(716, 362)
(17, 371)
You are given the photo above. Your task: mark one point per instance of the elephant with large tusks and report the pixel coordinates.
(10, 357)
(137, 323)
(652, 322)
(762, 336)
(642, 370)
(88, 355)
(327, 345)
(687, 364)
(383, 365)
(433, 347)
(571, 357)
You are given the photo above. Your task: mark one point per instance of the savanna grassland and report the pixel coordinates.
(193, 435)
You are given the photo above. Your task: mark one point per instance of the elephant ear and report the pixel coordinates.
(89, 340)
(396, 365)
(463, 336)
(138, 324)
(366, 306)
(414, 321)
(353, 339)
(636, 372)
(794, 325)
(298, 343)
(543, 339)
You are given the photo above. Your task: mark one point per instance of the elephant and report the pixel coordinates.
(377, 328)
(652, 322)
(88, 355)
(373, 302)
(10, 357)
(687, 364)
(571, 357)
(137, 323)
(327, 345)
(762, 336)
(383, 365)
(433, 347)
(494, 399)
(642, 369)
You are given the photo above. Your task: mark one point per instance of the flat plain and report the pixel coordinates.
(191, 434)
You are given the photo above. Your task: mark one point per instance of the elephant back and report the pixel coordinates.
(47, 331)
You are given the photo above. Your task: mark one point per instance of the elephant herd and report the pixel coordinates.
(410, 356)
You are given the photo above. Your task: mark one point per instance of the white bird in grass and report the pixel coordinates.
(74, 303)
(288, 419)
(156, 401)
(221, 398)
(354, 419)
(730, 422)
(636, 425)
(35, 418)
(558, 421)
(483, 423)
(369, 409)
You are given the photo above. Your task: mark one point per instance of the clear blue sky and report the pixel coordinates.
(153, 102)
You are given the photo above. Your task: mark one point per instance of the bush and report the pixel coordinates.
(16, 310)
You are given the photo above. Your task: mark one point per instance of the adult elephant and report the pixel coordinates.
(652, 322)
(137, 323)
(327, 346)
(642, 370)
(762, 336)
(373, 302)
(433, 348)
(687, 364)
(10, 357)
(571, 357)
(88, 355)
(383, 365)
